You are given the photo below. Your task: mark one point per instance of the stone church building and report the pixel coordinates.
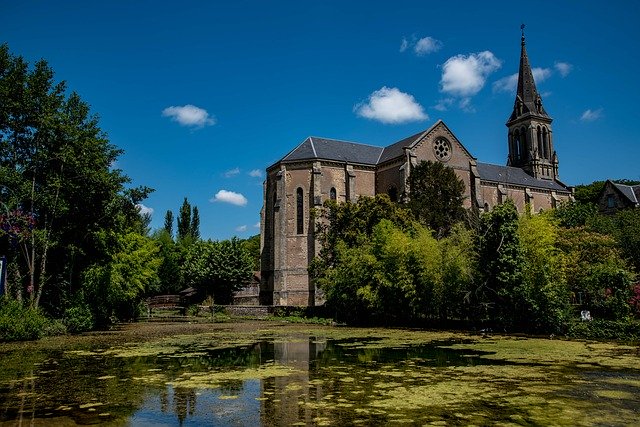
(320, 169)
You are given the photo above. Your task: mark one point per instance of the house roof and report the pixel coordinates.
(332, 149)
(631, 192)
(515, 176)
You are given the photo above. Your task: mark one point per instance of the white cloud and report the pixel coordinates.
(506, 84)
(189, 115)
(541, 74)
(426, 45)
(465, 75)
(241, 228)
(390, 105)
(257, 224)
(509, 84)
(225, 196)
(232, 172)
(444, 104)
(404, 45)
(421, 47)
(465, 105)
(564, 68)
(591, 115)
(256, 173)
(143, 210)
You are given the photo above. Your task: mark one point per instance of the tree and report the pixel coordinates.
(217, 268)
(184, 220)
(131, 272)
(436, 196)
(56, 172)
(168, 223)
(172, 255)
(501, 257)
(252, 244)
(194, 228)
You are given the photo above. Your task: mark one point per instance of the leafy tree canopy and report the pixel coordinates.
(436, 196)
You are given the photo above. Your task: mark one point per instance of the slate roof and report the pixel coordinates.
(397, 149)
(515, 176)
(631, 192)
(331, 149)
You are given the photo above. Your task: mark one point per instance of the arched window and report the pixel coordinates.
(299, 211)
(393, 194)
(332, 194)
(523, 143)
(516, 144)
(545, 142)
(539, 137)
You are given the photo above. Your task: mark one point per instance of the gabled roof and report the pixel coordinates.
(631, 192)
(397, 149)
(515, 176)
(335, 150)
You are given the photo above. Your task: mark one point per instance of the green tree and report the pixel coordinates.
(194, 228)
(172, 255)
(217, 268)
(436, 196)
(56, 173)
(168, 223)
(117, 286)
(252, 244)
(501, 259)
(589, 193)
(543, 293)
(184, 220)
(598, 278)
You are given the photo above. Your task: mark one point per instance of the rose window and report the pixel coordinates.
(442, 149)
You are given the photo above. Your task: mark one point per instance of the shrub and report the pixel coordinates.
(20, 323)
(601, 329)
(78, 318)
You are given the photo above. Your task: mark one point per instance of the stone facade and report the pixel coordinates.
(320, 169)
(616, 196)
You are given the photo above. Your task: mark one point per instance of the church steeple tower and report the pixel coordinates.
(530, 136)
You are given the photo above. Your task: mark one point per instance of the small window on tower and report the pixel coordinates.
(332, 194)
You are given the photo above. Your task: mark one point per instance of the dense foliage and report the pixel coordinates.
(59, 194)
(515, 271)
(218, 268)
(437, 194)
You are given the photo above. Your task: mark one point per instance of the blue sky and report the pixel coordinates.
(203, 96)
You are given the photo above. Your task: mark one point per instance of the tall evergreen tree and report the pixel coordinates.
(184, 220)
(195, 224)
(168, 223)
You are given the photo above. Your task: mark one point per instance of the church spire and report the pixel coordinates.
(530, 134)
(527, 98)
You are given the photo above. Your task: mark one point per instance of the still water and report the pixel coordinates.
(320, 376)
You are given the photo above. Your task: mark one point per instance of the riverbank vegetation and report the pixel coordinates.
(381, 263)
(77, 243)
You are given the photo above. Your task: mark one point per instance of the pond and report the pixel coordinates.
(266, 373)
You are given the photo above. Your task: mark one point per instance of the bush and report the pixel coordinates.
(54, 327)
(78, 318)
(20, 323)
(600, 329)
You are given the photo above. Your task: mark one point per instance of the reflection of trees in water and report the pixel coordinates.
(184, 400)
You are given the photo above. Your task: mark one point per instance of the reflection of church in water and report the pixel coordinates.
(321, 169)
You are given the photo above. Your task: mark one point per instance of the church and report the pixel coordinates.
(320, 169)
